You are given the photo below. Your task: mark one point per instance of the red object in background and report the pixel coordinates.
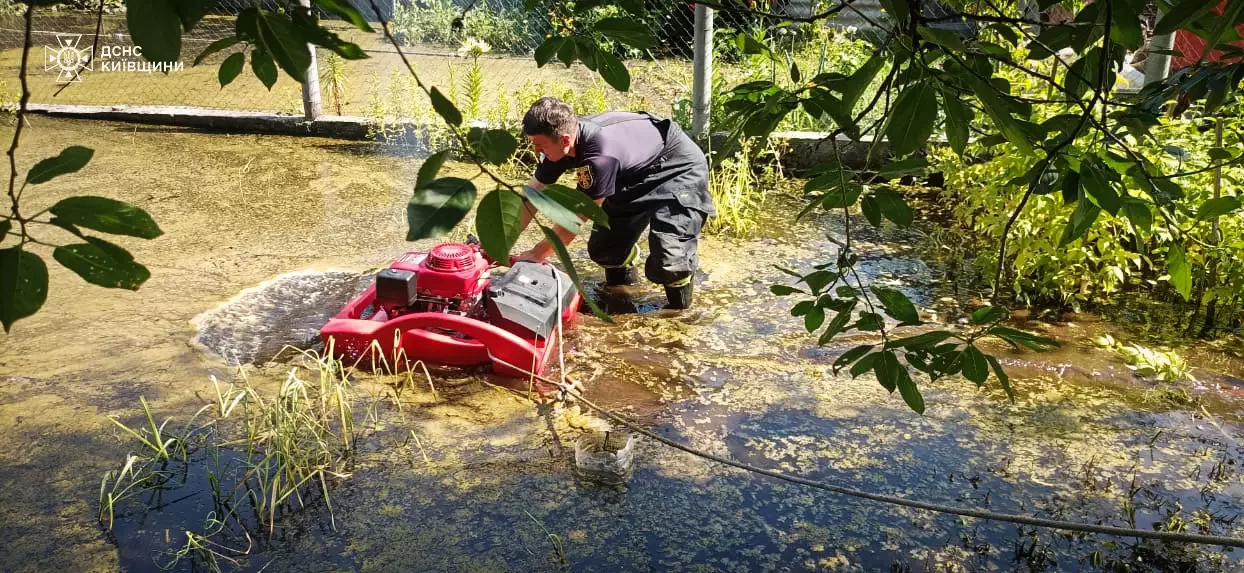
(1190, 45)
(447, 326)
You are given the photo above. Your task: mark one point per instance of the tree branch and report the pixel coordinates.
(21, 116)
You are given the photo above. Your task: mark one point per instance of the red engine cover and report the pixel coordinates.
(449, 270)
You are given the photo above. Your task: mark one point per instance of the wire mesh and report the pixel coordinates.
(496, 86)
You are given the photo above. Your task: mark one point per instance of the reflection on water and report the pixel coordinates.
(490, 479)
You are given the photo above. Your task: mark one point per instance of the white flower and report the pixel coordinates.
(474, 47)
(851, 29)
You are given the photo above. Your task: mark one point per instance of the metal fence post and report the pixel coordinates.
(1158, 66)
(311, 86)
(701, 90)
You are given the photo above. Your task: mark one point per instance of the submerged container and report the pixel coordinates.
(605, 457)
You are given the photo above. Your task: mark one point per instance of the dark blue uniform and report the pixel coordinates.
(650, 173)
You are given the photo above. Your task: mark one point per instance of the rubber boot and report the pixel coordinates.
(679, 297)
(627, 274)
(620, 276)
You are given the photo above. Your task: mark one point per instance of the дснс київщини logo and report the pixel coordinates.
(67, 58)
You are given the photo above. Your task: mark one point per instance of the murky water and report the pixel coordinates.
(297, 220)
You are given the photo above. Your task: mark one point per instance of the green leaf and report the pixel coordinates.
(70, 160)
(872, 210)
(870, 322)
(1050, 41)
(307, 28)
(264, 68)
(1002, 377)
(854, 86)
(23, 285)
(191, 11)
(865, 364)
(851, 356)
(920, 341)
(887, 369)
(1095, 182)
(1138, 213)
(1179, 271)
(106, 215)
(577, 202)
(974, 366)
(612, 70)
(802, 308)
(5, 226)
(1020, 338)
(230, 68)
(566, 53)
(749, 45)
(958, 118)
(552, 208)
(817, 281)
(897, 9)
(445, 108)
(1086, 212)
(431, 166)
(845, 291)
(814, 319)
(842, 196)
(1229, 19)
(589, 53)
(893, 207)
(629, 31)
(838, 324)
(1182, 13)
(437, 207)
(155, 27)
(568, 265)
(497, 222)
(102, 263)
(999, 112)
(1125, 27)
(986, 314)
(783, 290)
(945, 38)
(547, 50)
(1217, 208)
(897, 305)
(345, 10)
(912, 121)
(909, 390)
(214, 47)
(904, 167)
(1219, 154)
(246, 27)
(280, 41)
(495, 145)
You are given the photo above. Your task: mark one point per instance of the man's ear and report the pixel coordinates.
(565, 141)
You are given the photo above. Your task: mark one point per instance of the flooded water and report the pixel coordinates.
(266, 236)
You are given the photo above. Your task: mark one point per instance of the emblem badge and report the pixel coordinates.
(585, 177)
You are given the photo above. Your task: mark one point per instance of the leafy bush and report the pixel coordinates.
(508, 30)
(1115, 253)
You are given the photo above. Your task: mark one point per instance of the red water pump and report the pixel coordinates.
(445, 307)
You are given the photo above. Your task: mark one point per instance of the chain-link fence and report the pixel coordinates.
(495, 86)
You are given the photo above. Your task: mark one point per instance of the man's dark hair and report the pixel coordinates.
(550, 117)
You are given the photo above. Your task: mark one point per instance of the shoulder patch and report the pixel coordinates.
(585, 177)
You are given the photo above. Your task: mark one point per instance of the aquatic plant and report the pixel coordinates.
(292, 447)
(473, 83)
(738, 192)
(333, 81)
(1163, 364)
